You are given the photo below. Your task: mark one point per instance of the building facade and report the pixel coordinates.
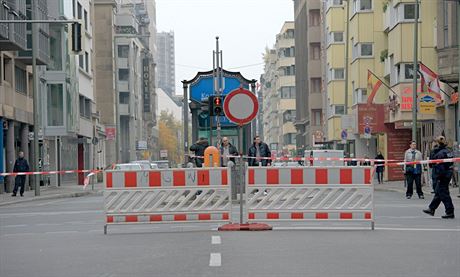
(166, 62)
(16, 80)
(279, 103)
(309, 121)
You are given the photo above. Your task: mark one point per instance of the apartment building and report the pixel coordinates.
(279, 108)
(16, 80)
(166, 62)
(309, 74)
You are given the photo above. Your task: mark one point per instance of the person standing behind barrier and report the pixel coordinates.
(259, 150)
(380, 168)
(433, 176)
(20, 165)
(413, 172)
(199, 147)
(443, 173)
(227, 149)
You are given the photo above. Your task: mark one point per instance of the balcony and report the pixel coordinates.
(448, 64)
(12, 36)
(126, 24)
(386, 19)
(387, 69)
(43, 50)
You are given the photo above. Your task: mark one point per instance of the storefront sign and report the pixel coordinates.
(370, 117)
(427, 103)
(110, 133)
(146, 84)
(406, 100)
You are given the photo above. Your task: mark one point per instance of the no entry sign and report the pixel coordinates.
(241, 106)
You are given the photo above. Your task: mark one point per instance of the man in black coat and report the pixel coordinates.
(199, 148)
(259, 150)
(20, 165)
(227, 149)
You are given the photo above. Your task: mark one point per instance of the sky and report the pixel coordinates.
(245, 28)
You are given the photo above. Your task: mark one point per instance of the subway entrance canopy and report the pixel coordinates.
(198, 90)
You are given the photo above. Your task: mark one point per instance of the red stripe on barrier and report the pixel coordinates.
(252, 216)
(296, 176)
(273, 215)
(131, 218)
(110, 219)
(346, 216)
(130, 179)
(367, 176)
(225, 216)
(367, 216)
(155, 179)
(204, 217)
(322, 216)
(251, 177)
(321, 176)
(296, 215)
(156, 217)
(203, 177)
(109, 182)
(346, 176)
(224, 177)
(272, 176)
(179, 178)
(180, 217)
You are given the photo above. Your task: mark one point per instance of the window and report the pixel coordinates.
(87, 62)
(446, 24)
(362, 5)
(315, 51)
(79, 10)
(73, 8)
(86, 20)
(315, 18)
(85, 107)
(409, 11)
(288, 70)
(81, 61)
(123, 51)
(408, 71)
(7, 69)
(288, 92)
(55, 62)
(289, 116)
(339, 109)
(317, 117)
(366, 49)
(289, 34)
(124, 97)
(289, 138)
(360, 96)
(21, 80)
(55, 107)
(337, 36)
(315, 85)
(123, 74)
(337, 74)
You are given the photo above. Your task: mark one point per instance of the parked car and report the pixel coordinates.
(162, 164)
(145, 164)
(130, 166)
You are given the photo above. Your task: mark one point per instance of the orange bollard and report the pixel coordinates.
(211, 157)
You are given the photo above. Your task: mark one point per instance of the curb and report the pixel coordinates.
(54, 196)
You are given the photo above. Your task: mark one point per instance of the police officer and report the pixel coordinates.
(443, 173)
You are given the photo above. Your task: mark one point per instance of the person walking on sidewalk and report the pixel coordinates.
(379, 170)
(413, 172)
(199, 147)
(227, 149)
(20, 165)
(443, 173)
(433, 176)
(259, 150)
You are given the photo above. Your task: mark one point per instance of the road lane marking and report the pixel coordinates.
(61, 232)
(49, 213)
(215, 260)
(18, 234)
(292, 228)
(49, 224)
(216, 240)
(418, 229)
(14, 226)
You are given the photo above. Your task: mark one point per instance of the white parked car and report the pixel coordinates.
(129, 166)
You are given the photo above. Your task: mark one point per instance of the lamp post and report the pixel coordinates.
(414, 77)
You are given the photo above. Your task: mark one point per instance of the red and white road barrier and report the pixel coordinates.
(309, 193)
(188, 195)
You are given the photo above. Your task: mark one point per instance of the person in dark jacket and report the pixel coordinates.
(198, 148)
(259, 150)
(227, 149)
(20, 165)
(380, 169)
(433, 176)
(443, 173)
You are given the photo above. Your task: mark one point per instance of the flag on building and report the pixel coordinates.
(373, 85)
(430, 82)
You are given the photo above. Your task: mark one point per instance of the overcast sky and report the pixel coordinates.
(245, 28)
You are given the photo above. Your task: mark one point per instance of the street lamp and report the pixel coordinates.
(414, 77)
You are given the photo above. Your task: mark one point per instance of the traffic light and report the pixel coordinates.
(76, 37)
(216, 105)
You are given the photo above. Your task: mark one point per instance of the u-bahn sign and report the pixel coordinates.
(241, 106)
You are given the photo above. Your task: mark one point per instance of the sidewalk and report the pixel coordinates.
(398, 186)
(66, 190)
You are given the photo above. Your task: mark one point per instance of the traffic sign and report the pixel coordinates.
(241, 106)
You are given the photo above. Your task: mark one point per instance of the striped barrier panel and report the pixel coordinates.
(167, 195)
(309, 194)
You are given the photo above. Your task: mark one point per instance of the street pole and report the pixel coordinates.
(414, 77)
(240, 177)
(347, 56)
(217, 90)
(185, 115)
(458, 66)
(36, 98)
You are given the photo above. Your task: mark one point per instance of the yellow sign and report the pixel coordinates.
(427, 103)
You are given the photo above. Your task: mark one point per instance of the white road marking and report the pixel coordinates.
(49, 224)
(216, 240)
(49, 213)
(419, 229)
(14, 226)
(51, 202)
(18, 234)
(215, 260)
(366, 228)
(184, 226)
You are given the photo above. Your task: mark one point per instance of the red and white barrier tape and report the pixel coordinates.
(50, 172)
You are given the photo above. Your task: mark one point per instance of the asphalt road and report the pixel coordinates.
(64, 237)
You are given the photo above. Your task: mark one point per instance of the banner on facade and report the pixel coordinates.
(110, 133)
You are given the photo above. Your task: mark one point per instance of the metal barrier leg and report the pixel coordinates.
(105, 229)
(372, 225)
